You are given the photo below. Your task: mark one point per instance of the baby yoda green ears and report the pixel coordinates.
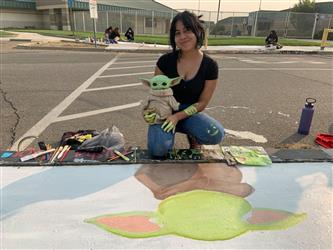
(198, 214)
(161, 82)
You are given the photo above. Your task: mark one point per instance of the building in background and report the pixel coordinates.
(144, 16)
(325, 7)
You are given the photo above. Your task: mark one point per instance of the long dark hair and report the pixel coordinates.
(192, 23)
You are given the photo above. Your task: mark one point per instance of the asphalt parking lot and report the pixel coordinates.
(258, 99)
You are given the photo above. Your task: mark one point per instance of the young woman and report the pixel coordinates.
(114, 36)
(272, 40)
(200, 76)
(107, 33)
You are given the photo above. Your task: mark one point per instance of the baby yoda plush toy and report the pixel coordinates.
(160, 100)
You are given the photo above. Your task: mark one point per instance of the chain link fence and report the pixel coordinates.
(285, 23)
(141, 21)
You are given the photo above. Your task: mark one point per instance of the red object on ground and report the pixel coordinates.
(325, 140)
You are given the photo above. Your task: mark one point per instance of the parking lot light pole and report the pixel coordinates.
(256, 20)
(198, 7)
(218, 11)
(71, 16)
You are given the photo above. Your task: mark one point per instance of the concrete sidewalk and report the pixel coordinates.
(142, 47)
(33, 37)
(36, 40)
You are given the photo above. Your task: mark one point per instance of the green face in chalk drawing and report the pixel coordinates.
(161, 82)
(203, 215)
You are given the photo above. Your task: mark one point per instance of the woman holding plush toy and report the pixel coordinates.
(199, 75)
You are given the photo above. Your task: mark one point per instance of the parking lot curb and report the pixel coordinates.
(20, 40)
(20, 46)
(141, 50)
(277, 155)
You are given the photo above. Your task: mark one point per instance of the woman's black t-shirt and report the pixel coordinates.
(189, 91)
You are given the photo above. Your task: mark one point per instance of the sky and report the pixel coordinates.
(231, 5)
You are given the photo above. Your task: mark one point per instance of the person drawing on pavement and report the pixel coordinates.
(200, 77)
(129, 34)
(272, 40)
(107, 33)
(114, 36)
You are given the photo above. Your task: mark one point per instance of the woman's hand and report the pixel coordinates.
(170, 124)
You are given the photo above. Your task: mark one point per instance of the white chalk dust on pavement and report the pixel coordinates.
(246, 135)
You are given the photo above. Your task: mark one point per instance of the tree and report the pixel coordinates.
(303, 22)
(305, 6)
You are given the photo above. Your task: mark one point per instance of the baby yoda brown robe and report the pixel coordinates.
(162, 103)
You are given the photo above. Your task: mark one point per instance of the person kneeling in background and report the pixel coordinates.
(114, 36)
(272, 40)
(129, 34)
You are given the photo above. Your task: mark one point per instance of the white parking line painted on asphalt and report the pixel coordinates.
(137, 59)
(250, 61)
(284, 62)
(227, 107)
(126, 62)
(40, 126)
(97, 112)
(259, 60)
(265, 62)
(280, 62)
(287, 69)
(312, 62)
(246, 135)
(130, 74)
(114, 87)
(133, 67)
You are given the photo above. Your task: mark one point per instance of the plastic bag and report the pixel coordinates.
(75, 139)
(108, 138)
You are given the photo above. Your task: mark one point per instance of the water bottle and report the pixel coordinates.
(306, 117)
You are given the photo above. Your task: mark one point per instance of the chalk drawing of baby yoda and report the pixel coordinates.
(198, 214)
(160, 100)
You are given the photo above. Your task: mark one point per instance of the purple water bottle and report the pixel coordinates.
(306, 117)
